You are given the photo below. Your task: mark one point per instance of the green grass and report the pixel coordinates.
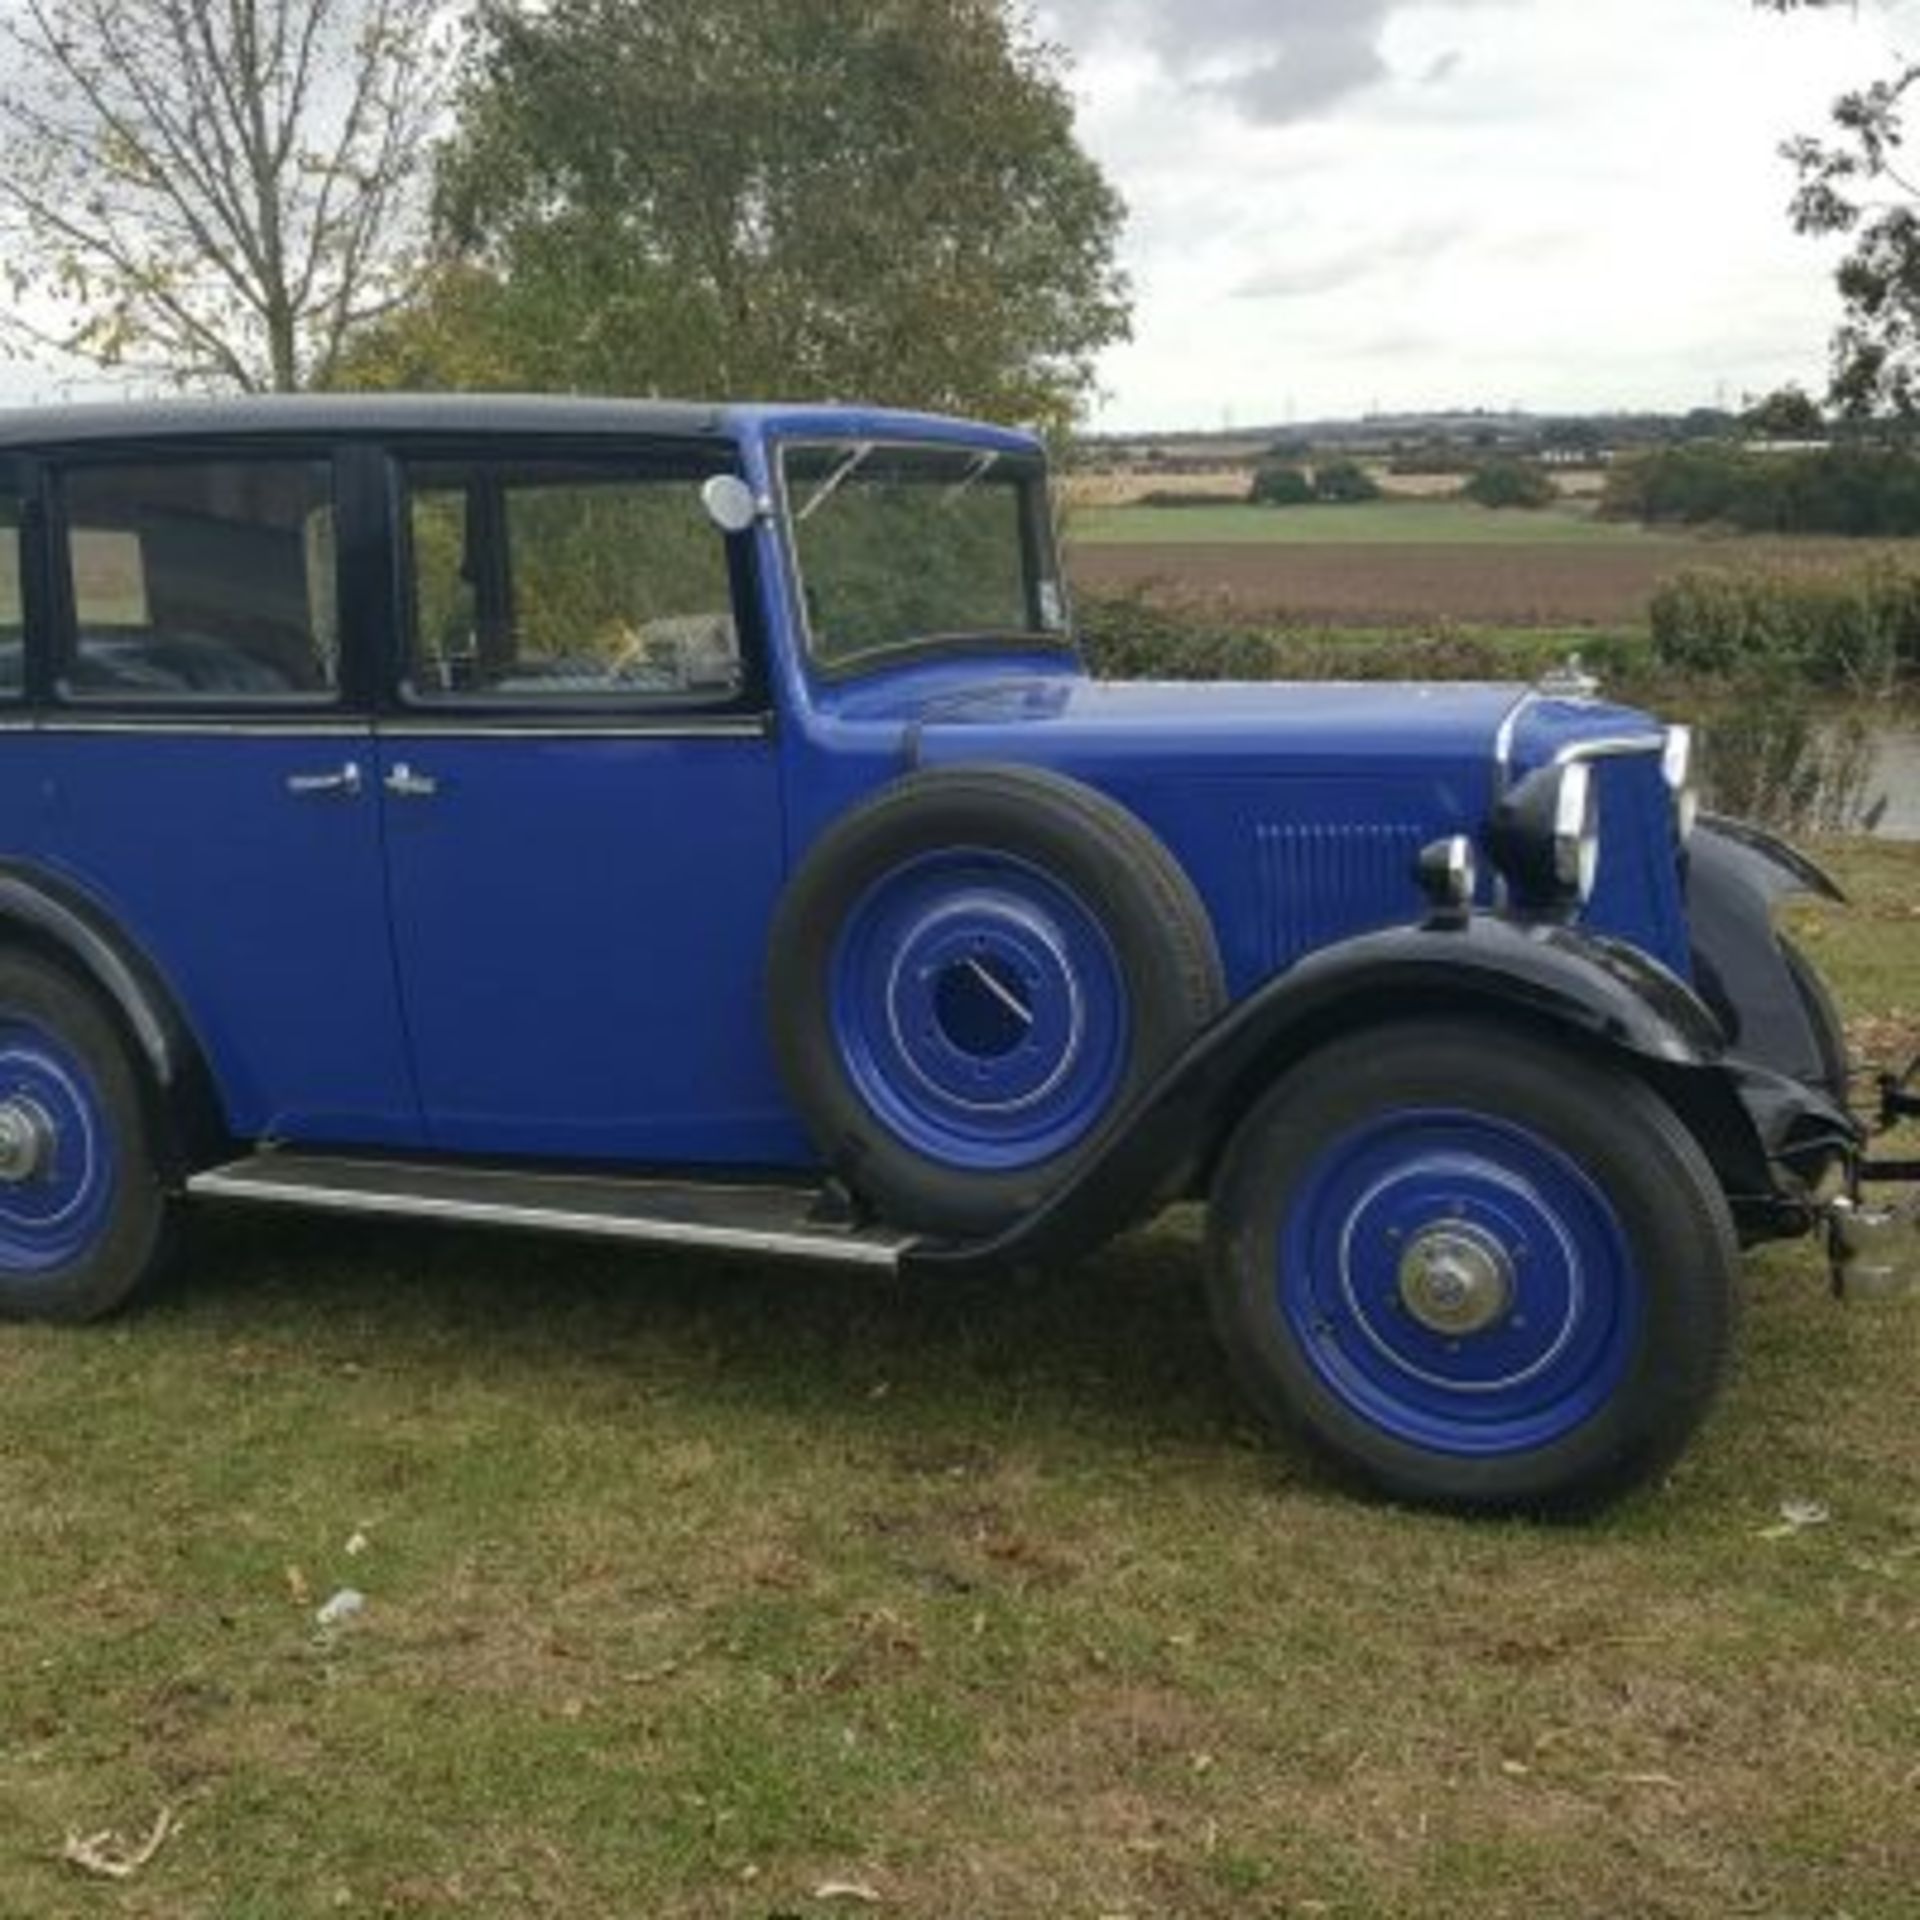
(1386, 523)
(694, 1586)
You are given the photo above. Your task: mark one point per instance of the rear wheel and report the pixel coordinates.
(1474, 1269)
(82, 1209)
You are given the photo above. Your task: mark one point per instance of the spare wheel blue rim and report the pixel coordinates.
(59, 1168)
(980, 1009)
(1459, 1282)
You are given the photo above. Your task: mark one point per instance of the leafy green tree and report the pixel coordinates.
(1275, 485)
(1511, 483)
(1344, 483)
(876, 199)
(1854, 182)
(1584, 440)
(219, 196)
(1789, 413)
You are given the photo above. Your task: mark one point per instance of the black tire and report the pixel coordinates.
(1823, 1017)
(87, 1223)
(1615, 1427)
(1101, 859)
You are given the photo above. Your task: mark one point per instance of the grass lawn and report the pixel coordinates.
(693, 1589)
(1385, 523)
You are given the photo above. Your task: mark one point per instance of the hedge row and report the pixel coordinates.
(1863, 491)
(1853, 630)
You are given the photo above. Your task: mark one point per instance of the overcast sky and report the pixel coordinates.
(1343, 204)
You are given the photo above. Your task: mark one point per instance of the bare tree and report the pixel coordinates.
(217, 192)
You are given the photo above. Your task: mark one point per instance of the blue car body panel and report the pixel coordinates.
(562, 953)
(581, 925)
(265, 912)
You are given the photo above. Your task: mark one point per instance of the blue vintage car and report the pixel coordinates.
(695, 825)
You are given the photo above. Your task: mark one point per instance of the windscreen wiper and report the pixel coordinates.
(834, 482)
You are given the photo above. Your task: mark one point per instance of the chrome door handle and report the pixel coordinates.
(404, 784)
(344, 780)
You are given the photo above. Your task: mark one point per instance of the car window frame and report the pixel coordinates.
(699, 459)
(60, 646)
(1038, 542)
(21, 481)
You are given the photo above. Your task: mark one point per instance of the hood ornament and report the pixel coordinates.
(1570, 680)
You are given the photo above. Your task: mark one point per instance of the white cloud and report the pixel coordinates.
(1275, 61)
(1338, 203)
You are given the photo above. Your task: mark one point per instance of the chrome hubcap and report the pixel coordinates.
(26, 1140)
(1456, 1280)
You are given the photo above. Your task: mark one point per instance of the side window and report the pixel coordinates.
(563, 581)
(13, 619)
(202, 580)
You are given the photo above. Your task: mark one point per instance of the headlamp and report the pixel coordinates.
(1546, 837)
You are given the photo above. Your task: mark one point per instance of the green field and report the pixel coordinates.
(696, 1589)
(1386, 523)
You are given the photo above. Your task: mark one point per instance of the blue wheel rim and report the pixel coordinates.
(56, 1199)
(1556, 1294)
(980, 1010)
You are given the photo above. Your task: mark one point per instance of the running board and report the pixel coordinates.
(772, 1221)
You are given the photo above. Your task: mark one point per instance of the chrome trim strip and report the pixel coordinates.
(827, 1246)
(419, 731)
(1611, 746)
(220, 725)
(1503, 743)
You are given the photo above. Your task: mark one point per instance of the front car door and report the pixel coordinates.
(582, 801)
(201, 767)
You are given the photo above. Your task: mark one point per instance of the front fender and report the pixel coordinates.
(1735, 874)
(1770, 864)
(1591, 992)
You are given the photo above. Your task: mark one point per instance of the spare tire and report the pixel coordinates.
(971, 975)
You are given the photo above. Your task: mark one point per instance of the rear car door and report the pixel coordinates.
(203, 767)
(582, 804)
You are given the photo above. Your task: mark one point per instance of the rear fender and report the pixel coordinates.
(1603, 997)
(50, 918)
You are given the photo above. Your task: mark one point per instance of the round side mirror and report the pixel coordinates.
(730, 503)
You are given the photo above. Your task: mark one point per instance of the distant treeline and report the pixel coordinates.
(1860, 490)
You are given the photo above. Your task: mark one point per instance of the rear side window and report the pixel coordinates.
(196, 580)
(12, 614)
(558, 582)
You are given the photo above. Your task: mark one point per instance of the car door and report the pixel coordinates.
(582, 808)
(203, 768)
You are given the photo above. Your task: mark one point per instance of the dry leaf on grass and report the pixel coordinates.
(348, 1604)
(1796, 1516)
(107, 1856)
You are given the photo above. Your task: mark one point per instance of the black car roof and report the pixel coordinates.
(93, 422)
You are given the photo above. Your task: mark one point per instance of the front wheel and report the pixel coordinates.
(1474, 1268)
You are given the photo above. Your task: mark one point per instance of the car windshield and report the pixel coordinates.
(907, 547)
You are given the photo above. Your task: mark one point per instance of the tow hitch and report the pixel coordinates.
(1876, 1249)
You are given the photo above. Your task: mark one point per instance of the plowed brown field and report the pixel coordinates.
(1356, 584)
(1391, 585)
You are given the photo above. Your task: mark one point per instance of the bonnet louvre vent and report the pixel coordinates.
(1324, 883)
